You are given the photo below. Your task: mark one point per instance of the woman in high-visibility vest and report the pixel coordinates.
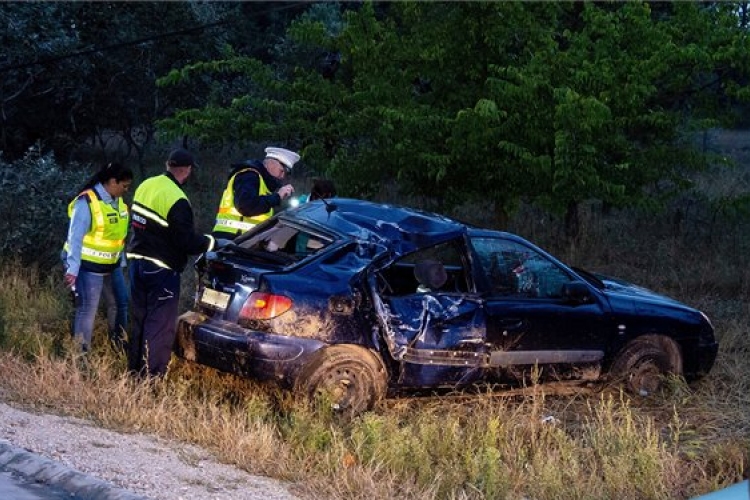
(94, 251)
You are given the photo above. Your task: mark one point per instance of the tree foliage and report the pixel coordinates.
(30, 38)
(86, 71)
(488, 103)
(31, 230)
(495, 103)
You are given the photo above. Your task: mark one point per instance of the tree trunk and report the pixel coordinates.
(502, 218)
(572, 222)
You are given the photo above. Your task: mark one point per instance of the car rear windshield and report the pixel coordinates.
(281, 243)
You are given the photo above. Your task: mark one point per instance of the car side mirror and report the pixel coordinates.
(576, 292)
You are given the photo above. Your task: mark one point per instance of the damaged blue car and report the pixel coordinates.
(357, 300)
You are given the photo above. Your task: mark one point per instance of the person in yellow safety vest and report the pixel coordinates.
(163, 237)
(254, 189)
(93, 254)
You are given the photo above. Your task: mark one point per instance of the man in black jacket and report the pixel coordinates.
(254, 189)
(163, 236)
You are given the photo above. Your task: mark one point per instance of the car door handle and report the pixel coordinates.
(511, 324)
(472, 341)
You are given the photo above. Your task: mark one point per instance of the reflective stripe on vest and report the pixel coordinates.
(158, 262)
(229, 219)
(155, 197)
(105, 240)
(97, 254)
(233, 224)
(150, 215)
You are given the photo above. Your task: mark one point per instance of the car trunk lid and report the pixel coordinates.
(223, 287)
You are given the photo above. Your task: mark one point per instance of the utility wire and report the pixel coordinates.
(140, 41)
(107, 48)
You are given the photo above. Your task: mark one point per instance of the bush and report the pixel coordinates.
(34, 195)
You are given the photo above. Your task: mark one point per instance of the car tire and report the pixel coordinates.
(349, 378)
(643, 363)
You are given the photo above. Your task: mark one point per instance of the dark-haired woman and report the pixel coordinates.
(94, 250)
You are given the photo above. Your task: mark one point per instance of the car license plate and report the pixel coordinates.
(214, 298)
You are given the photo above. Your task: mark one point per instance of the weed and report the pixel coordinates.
(684, 441)
(687, 440)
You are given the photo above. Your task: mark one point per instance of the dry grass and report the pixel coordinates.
(602, 446)
(687, 441)
(683, 442)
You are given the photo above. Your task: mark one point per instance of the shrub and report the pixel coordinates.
(34, 196)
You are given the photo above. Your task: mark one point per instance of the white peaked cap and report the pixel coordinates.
(286, 157)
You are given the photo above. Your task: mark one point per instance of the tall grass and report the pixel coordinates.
(683, 442)
(30, 303)
(680, 443)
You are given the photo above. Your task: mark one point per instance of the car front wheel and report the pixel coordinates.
(644, 362)
(349, 378)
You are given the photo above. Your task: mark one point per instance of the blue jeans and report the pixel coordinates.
(115, 293)
(155, 294)
(89, 287)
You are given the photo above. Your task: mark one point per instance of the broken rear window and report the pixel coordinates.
(281, 243)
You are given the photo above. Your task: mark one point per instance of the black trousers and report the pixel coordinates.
(155, 297)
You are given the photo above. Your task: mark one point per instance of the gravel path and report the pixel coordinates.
(146, 465)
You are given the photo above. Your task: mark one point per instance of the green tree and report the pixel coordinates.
(77, 71)
(142, 40)
(625, 91)
(494, 103)
(33, 33)
(247, 94)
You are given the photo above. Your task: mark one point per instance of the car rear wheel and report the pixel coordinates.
(644, 362)
(348, 378)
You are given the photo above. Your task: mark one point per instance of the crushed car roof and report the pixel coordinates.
(402, 227)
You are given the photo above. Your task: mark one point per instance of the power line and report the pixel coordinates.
(140, 41)
(111, 47)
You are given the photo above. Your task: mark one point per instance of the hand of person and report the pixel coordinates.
(70, 280)
(286, 191)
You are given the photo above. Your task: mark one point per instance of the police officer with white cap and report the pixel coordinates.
(254, 189)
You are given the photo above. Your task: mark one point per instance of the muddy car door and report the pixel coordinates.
(431, 317)
(532, 319)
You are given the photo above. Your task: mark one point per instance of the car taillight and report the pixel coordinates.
(260, 305)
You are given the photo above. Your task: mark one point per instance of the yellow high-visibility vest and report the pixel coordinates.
(152, 202)
(229, 220)
(104, 242)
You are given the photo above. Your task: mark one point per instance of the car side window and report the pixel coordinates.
(440, 268)
(515, 270)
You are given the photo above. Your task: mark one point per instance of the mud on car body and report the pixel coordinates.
(354, 299)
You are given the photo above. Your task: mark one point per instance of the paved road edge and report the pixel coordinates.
(47, 471)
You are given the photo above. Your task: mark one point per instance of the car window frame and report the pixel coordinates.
(412, 258)
(328, 238)
(486, 279)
